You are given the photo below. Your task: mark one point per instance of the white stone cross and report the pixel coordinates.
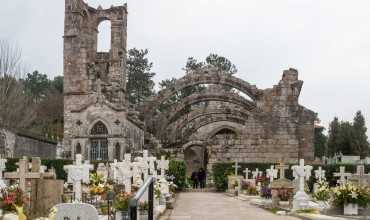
(282, 167)
(145, 164)
(23, 174)
(152, 169)
(102, 171)
(163, 165)
(236, 168)
(136, 173)
(78, 173)
(320, 175)
(114, 168)
(246, 171)
(360, 176)
(342, 175)
(303, 173)
(2, 169)
(255, 173)
(272, 173)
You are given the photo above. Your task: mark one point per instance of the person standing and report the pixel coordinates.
(202, 178)
(194, 179)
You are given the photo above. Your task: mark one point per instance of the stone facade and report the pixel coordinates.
(245, 124)
(97, 121)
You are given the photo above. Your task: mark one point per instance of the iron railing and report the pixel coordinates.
(133, 204)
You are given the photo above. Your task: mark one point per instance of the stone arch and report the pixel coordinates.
(195, 156)
(200, 97)
(205, 76)
(223, 127)
(99, 120)
(104, 36)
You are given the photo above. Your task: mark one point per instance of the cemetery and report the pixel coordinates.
(104, 141)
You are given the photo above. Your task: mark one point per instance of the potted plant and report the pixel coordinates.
(350, 197)
(143, 210)
(121, 205)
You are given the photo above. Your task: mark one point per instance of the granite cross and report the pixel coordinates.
(282, 167)
(360, 176)
(236, 168)
(23, 174)
(246, 171)
(320, 175)
(342, 175)
(78, 173)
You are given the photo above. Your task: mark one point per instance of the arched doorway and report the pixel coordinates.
(196, 157)
(99, 142)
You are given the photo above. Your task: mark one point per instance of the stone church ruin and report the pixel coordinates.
(228, 120)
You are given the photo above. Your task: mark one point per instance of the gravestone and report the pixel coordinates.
(302, 172)
(320, 177)
(46, 191)
(77, 174)
(272, 173)
(145, 164)
(76, 211)
(282, 186)
(136, 174)
(124, 173)
(2, 168)
(114, 170)
(23, 175)
(360, 177)
(163, 165)
(342, 175)
(102, 171)
(152, 168)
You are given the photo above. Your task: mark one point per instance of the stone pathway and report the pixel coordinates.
(217, 206)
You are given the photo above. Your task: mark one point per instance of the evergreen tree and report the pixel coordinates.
(360, 144)
(140, 84)
(345, 138)
(333, 139)
(36, 85)
(320, 142)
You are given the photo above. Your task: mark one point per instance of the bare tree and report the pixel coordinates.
(16, 109)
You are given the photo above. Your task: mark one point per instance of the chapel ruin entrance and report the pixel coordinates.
(195, 158)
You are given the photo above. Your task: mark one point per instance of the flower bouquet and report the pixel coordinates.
(350, 196)
(12, 199)
(121, 205)
(322, 192)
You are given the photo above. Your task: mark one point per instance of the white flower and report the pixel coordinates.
(354, 195)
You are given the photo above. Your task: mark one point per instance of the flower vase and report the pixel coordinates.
(350, 209)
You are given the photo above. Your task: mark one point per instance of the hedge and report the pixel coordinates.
(222, 170)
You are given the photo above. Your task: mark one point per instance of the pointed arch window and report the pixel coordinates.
(99, 146)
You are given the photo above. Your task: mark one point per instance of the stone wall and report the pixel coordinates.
(18, 145)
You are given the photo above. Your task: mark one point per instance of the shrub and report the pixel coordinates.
(177, 169)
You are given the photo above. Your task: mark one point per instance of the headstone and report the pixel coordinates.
(272, 173)
(114, 169)
(342, 175)
(282, 167)
(301, 199)
(77, 174)
(255, 174)
(2, 169)
(246, 171)
(23, 174)
(163, 165)
(145, 164)
(320, 175)
(136, 174)
(236, 168)
(152, 169)
(102, 171)
(76, 211)
(360, 177)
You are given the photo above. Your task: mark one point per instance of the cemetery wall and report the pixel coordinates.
(34, 147)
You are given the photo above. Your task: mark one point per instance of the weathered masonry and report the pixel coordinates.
(96, 112)
(229, 120)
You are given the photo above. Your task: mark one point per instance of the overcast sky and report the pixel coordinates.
(328, 41)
